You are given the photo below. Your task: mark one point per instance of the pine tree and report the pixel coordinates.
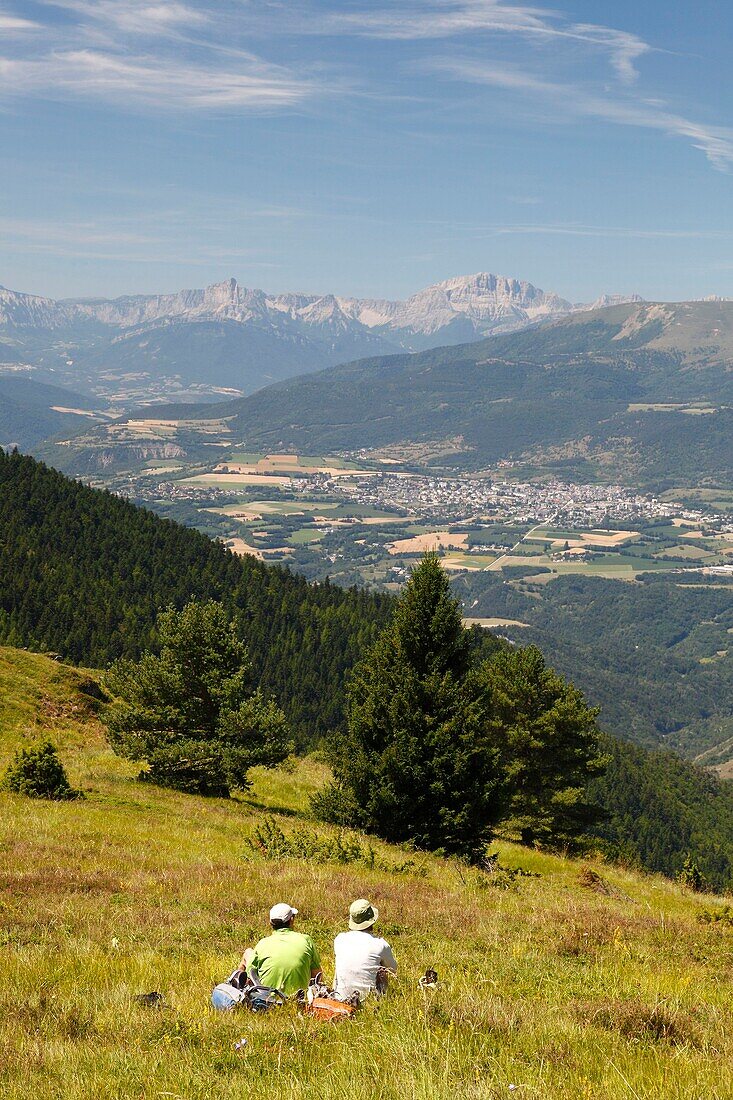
(416, 764)
(191, 712)
(442, 749)
(549, 746)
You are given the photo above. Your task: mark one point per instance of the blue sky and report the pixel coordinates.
(366, 147)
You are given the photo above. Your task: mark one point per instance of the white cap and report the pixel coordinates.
(282, 912)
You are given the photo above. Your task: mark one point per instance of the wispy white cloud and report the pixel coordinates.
(624, 232)
(150, 235)
(624, 48)
(486, 230)
(14, 24)
(135, 16)
(166, 213)
(152, 81)
(173, 55)
(88, 233)
(576, 100)
(452, 18)
(138, 54)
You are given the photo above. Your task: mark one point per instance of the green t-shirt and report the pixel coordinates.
(285, 960)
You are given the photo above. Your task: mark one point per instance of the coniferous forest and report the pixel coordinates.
(84, 574)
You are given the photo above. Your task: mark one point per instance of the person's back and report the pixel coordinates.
(285, 960)
(360, 954)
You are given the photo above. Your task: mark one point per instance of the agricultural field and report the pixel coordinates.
(236, 480)
(310, 511)
(692, 408)
(720, 498)
(356, 543)
(572, 980)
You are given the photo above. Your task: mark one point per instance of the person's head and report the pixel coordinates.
(282, 916)
(362, 915)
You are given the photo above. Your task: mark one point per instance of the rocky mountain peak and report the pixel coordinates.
(462, 308)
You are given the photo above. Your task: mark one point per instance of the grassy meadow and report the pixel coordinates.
(579, 981)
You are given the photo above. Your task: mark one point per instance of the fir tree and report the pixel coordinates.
(549, 747)
(416, 764)
(440, 751)
(38, 773)
(191, 712)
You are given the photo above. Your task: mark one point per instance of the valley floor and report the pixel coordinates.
(584, 982)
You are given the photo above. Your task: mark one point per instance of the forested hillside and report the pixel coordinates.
(83, 573)
(661, 809)
(613, 394)
(29, 411)
(655, 655)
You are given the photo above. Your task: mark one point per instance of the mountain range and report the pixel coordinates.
(230, 336)
(479, 304)
(638, 393)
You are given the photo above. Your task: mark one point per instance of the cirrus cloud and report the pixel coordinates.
(576, 101)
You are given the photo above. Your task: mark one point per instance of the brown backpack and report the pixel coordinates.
(329, 1009)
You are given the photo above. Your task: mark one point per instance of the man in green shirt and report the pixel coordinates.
(286, 959)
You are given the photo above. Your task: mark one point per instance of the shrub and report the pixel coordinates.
(591, 880)
(38, 773)
(722, 916)
(500, 877)
(336, 805)
(691, 876)
(269, 841)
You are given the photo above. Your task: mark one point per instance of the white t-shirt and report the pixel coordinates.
(359, 955)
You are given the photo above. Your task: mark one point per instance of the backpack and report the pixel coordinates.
(329, 1009)
(244, 990)
(322, 1004)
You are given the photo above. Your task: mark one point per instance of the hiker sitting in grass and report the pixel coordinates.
(363, 960)
(286, 959)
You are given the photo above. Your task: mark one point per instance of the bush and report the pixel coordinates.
(691, 876)
(336, 805)
(38, 773)
(723, 917)
(492, 873)
(270, 842)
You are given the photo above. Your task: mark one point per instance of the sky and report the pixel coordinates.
(366, 147)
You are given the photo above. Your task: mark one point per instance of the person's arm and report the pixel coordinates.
(246, 960)
(388, 959)
(315, 961)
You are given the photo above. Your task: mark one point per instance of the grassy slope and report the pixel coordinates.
(554, 988)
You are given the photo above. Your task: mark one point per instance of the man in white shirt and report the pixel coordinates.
(362, 957)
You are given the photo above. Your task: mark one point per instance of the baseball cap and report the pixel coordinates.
(362, 914)
(283, 912)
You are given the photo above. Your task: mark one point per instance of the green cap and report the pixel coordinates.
(362, 914)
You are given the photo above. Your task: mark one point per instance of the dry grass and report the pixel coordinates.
(558, 988)
(434, 540)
